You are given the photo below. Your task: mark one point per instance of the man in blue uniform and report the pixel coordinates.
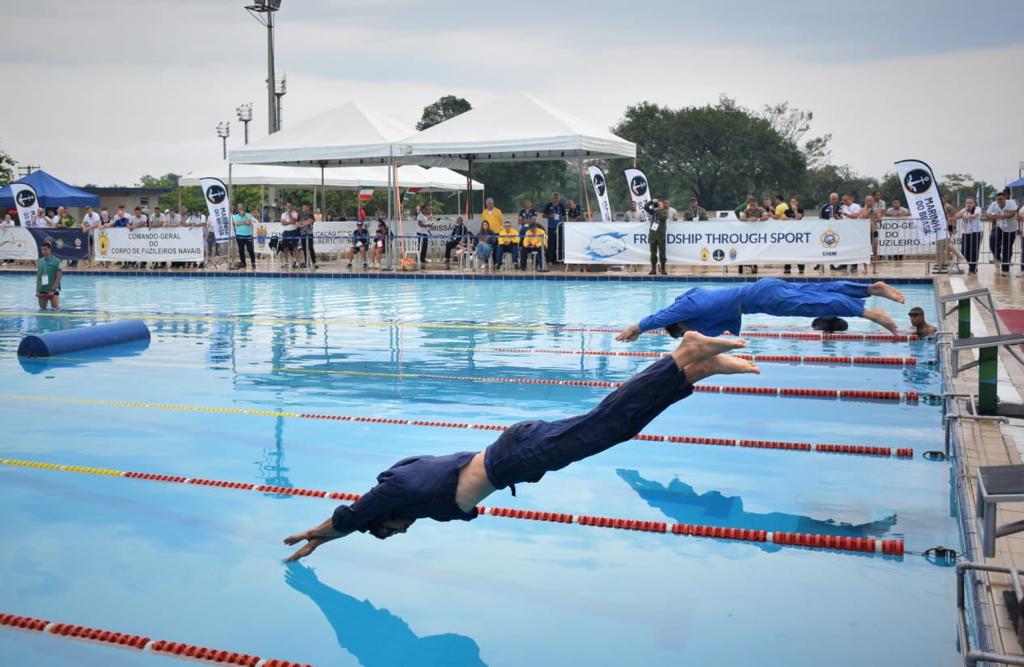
(448, 488)
(716, 311)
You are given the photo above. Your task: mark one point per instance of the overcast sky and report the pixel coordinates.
(107, 90)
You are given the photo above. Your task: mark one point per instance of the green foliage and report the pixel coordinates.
(717, 153)
(7, 165)
(956, 188)
(446, 107)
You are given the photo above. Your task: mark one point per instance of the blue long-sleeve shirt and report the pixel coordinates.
(709, 311)
(420, 487)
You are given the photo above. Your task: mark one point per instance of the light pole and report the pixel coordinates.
(268, 7)
(280, 88)
(244, 112)
(224, 131)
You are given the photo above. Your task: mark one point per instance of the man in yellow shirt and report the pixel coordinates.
(508, 241)
(493, 215)
(781, 208)
(535, 241)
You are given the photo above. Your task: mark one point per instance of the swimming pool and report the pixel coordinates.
(192, 563)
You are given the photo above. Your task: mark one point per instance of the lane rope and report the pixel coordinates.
(308, 321)
(867, 545)
(139, 642)
(827, 448)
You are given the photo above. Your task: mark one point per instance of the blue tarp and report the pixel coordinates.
(52, 192)
(1019, 183)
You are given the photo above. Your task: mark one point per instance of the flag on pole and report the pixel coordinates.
(923, 200)
(365, 194)
(601, 188)
(639, 190)
(216, 195)
(410, 192)
(26, 202)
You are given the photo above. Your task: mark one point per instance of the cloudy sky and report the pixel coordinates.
(107, 90)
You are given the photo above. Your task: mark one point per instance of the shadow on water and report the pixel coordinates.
(376, 637)
(680, 502)
(36, 365)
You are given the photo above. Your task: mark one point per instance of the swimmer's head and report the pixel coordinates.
(830, 324)
(677, 330)
(382, 530)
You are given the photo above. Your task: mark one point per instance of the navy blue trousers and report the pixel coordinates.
(829, 299)
(529, 449)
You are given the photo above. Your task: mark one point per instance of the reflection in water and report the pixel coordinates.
(272, 468)
(680, 502)
(376, 637)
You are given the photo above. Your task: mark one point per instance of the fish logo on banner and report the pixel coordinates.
(26, 201)
(601, 188)
(923, 200)
(639, 189)
(217, 202)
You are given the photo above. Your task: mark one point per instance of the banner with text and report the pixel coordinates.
(328, 237)
(639, 190)
(601, 188)
(26, 202)
(167, 244)
(923, 199)
(18, 243)
(722, 242)
(219, 205)
(65, 243)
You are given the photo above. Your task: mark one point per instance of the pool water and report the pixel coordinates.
(203, 565)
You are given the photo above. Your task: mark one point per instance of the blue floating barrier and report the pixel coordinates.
(56, 343)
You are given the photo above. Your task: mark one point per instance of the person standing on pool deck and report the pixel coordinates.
(716, 311)
(448, 488)
(48, 275)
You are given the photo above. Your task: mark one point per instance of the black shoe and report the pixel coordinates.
(652, 273)
(788, 271)
(663, 271)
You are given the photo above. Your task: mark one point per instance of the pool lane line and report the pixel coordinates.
(823, 448)
(139, 642)
(238, 319)
(911, 397)
(867, 545)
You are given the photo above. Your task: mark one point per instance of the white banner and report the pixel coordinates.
(601, 188)
(722, 242)
(328, 237)
(160, 244)
(922, 191)
(639, 190)
(18, 243)
(217, 201)
(26, 202)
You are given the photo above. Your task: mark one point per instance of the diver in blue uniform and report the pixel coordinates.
(716, 311)
(448, 488)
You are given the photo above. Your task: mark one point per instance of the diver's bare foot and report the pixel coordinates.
(696, 347)
(881, 318)
(720, 364)
(881, 289)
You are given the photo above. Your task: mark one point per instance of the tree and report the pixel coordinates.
(718, 153)
(447, 107)
(793, 124)
(7, 165)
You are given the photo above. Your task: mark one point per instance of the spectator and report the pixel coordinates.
(695, 211)
(781, 208)
(460, 234)
(554, 213)
(243, 222)
(879, 202)
(360, 242)
(673, 215)
(305, 226)
(8, 221)
(121, 217)
(508, 242)
(534, 243)
(769, 208)
(380, 244)
(632, 215)
(288, 245)
(90, 221)
(656, 235)
(138, 219)
(850, 208)
(527, 214)
(423, 230)
(63, 219)
(873, 213)
(831, 210)
(753, 213)
(485, 241)
(318, 215)
(742, 208)
(156, 219)
(40, 219)
(794, 212)
(897, 210)
(919, 324)
(572, 211)
(1003, 214)
(971, 231)
(48, 275)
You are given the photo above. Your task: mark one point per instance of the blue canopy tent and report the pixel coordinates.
(52, 192)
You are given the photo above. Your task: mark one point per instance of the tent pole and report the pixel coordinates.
(398, 200)
(391, 217)
(262, 205)
(469, 191)
(579, 173)
(586, 194)
(323, 193)
(231, 213)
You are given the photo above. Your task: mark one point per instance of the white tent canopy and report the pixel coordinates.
(347, 135)
(409, 176)
(517, 127)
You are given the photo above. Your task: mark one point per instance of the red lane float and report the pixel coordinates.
(531, 515)
(286, 490)
(759, 358)
(141, 643)
(156, 478)
(245, 486)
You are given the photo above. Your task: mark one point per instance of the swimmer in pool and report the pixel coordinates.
(716, 311)
(448, 488)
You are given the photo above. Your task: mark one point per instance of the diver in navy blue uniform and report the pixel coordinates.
(448, 488)
(716, 311)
